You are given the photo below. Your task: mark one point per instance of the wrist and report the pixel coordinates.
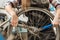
(12, 13)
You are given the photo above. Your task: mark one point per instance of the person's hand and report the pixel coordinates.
(56, 21)
(14, 20)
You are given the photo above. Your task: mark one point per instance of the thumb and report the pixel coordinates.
(55, 24)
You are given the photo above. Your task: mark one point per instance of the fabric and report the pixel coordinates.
(12, 2)
(55, 2)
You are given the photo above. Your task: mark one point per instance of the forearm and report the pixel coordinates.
(58, 10)
(10, 10)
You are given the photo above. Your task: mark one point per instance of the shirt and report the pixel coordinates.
(18, 2)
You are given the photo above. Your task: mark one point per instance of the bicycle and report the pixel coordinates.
(38, 24)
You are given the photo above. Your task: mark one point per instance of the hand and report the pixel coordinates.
(56, 21)
(14, 20)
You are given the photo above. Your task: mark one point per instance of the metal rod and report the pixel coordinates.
(58, 33)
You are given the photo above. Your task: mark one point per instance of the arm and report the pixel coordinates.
(56, 3)
(9, 6)
(10, 10)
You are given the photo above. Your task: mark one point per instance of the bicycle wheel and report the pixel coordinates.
(39, 18)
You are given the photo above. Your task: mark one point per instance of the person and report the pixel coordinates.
(9, 7)
(14, 3)
(56, 4)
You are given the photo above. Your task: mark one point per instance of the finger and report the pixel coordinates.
(15, 23)
(12, 23)
(55, 24)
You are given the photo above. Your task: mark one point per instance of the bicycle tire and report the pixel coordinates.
(38, 9)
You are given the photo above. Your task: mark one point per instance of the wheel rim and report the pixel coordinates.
(39, 19)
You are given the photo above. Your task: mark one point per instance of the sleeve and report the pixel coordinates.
(55, 2)
(10, 2)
